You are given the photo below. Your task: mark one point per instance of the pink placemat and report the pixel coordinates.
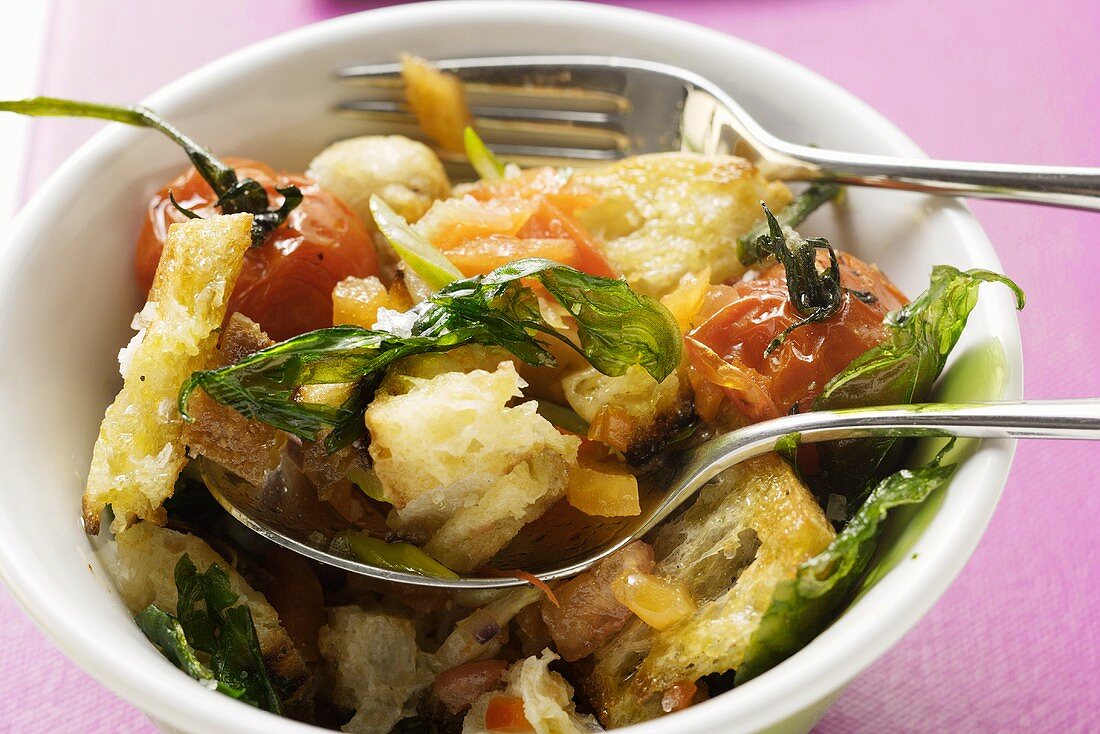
(1015, 643)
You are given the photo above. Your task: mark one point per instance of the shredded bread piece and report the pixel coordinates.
(138, 453)
(143, 574)
(377, 668)
(756, 523)
(248, 448)
(547, 700)
(461, 466)
(667, 214)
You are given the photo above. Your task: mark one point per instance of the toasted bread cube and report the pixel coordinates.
(404, 173)
(357, 300)
(377, 668)
(667, 214)
(460, 465)
(138, 453)
(437, 101)
(756, 525)
(143, 572)
(248, 448)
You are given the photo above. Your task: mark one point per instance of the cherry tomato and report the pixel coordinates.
(728, 348)
(286, 284)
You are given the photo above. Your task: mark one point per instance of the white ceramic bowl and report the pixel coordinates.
(67, 295)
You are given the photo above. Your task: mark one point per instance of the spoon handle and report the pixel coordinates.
(1065, 419)
(1063, 186)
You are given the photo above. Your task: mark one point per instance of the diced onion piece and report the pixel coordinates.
(658, 602)
(505, 714)
(603, 489)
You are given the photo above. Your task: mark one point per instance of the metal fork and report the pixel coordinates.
(583, 110)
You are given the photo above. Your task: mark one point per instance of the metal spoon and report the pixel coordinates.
(302, 523)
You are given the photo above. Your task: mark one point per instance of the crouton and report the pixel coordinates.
(138, 453)
(404, 173)
(248, 448)
(667, 214)
(756, 524)
(377, 668)
(143, 573)
(459, 465)
(547, 700)
(633, 413)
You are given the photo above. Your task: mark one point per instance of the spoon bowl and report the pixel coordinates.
(565, 542)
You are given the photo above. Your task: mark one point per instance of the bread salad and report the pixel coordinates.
(457, 368)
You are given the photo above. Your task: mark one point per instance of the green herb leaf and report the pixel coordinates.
(164, 631)
(616, 327)
(749, 251)
(487, 166)
(902, 369)
(421, 256)
(234, 195)
(804, 606)
(210, 620)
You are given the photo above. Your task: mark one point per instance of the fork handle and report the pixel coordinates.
(1063, 186)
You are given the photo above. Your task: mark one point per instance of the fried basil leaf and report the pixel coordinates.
(209, 620)
(750, 249)
(805, 605)
(616, 327)
(900, 370)
(165, 631)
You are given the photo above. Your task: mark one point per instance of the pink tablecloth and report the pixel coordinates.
(1015, 643)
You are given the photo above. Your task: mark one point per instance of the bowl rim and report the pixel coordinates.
(807, 678)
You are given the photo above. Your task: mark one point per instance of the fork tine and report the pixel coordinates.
(513, 139)
(520, 114)
(534, 112)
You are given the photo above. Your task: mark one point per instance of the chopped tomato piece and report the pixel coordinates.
(483, 254)
(505, 714)
(679, 695)
(529, 210)
(459, 687)
(286, 284)
(550, 221)
(728, 348)
(614, 426)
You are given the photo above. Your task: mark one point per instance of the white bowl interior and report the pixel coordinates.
(67, 295)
